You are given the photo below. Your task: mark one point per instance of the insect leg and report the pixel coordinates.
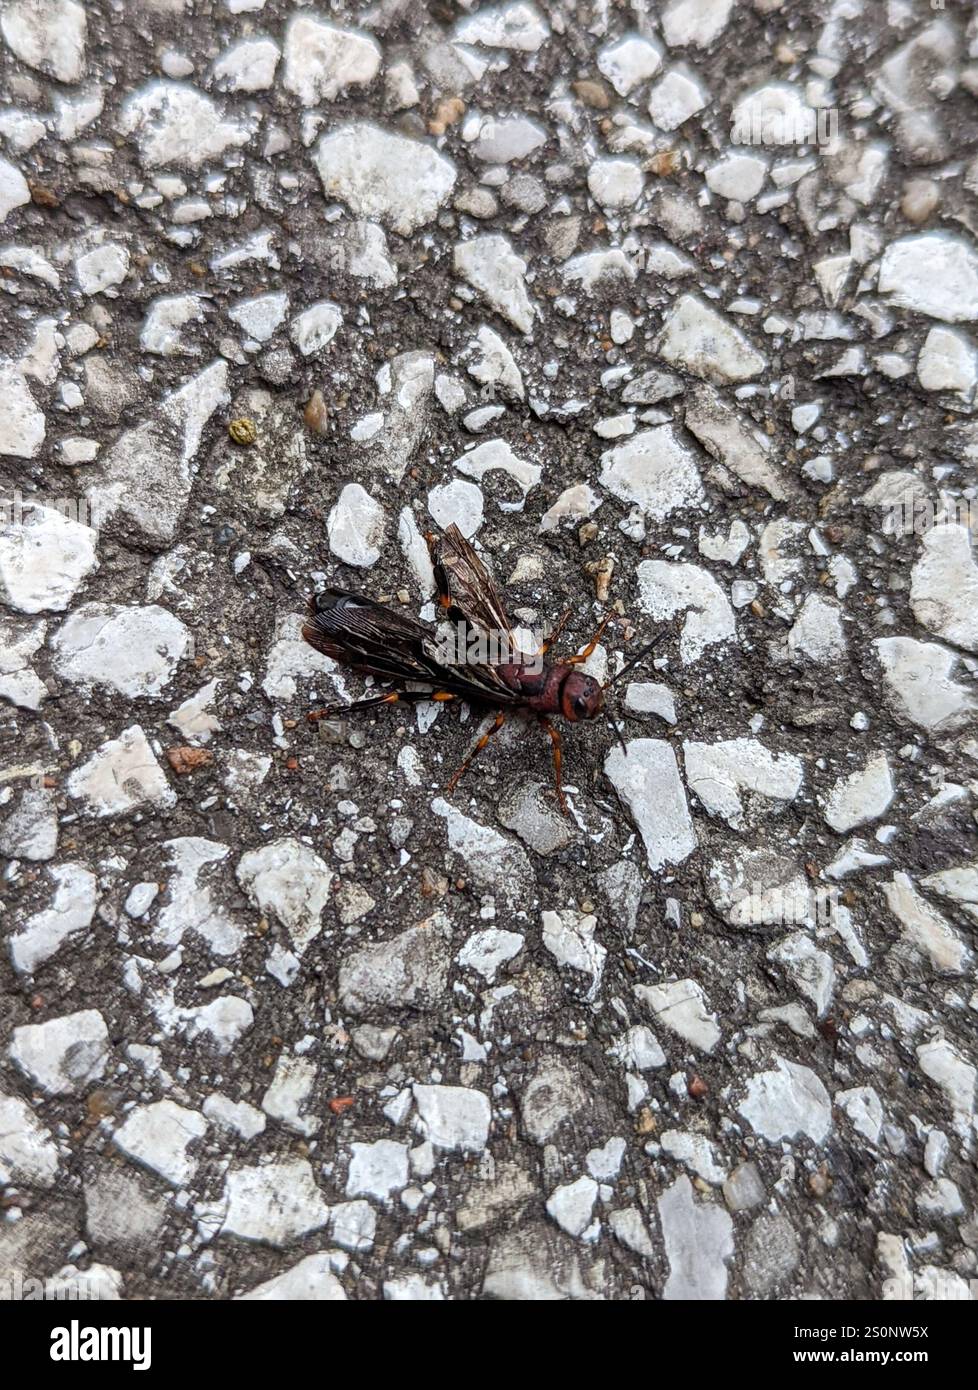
(583, 656)
(316, 714)
(555, 632)
(554, 737)
(500, 721)
(408, 697)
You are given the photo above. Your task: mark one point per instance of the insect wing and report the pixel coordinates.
(368, 636)
(472, 587)
(381, 641)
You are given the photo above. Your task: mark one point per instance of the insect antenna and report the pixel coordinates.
(619, 734)
(630, 665)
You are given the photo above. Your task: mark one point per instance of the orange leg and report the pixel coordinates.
(554, 737)
(583, 656)
(555, 633)
(500, 721)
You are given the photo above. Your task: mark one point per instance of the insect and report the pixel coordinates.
(381, 641)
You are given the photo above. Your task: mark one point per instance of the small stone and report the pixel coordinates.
(569, 937)
(552, 1099)
(615, 183)
(48, 35)
(771, 1254)
(288, 1094)
(681, 1006)
(120, 1212)
(310, 1281)
(648, 781)
(744, 1188)
(695, 22)
(656, 470)
(454, 1118)
(354, 1225)
(492, 861)
(122, 776)
(629, 62)
(493, 269)
(44, 558)
(31, 830)
(944, 586)
(948, 361)
(519, 27)
(102, 269)
(384, 176)
(940, 1198)
(322, 60)
(289, 879)
(539, 824)
(158, 1137)
(486, 951)
(861, 797)
(666, 589)
(677, 96)
(925, 930)
(14, 188)
(247, 66)
(919, 199)
(604, 1164)
(356, 527)
(71, 912)
(696, 1151)
(28, 1154)
(408, 971)
(571, 1205)
(697, 337)
(918, 683)
(720, 774)
(132, 650)
(377, 1170)
(241, 1118)
(186, 760)
(737, 176)
(316, 327)
(63, 1055)
(818, 632)
(630, 1229)
(932, 273)
(698, 1239)
(259, 318)
(812, 971)
(592, 94)
(787, 1102)
(935, 1153)
(648, 697)
(502, 140)
(173, 123)
(865, 1110)
(274, 1203)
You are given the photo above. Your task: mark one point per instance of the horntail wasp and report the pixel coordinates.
(381, 641)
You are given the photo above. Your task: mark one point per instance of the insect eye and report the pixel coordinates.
(581, 706)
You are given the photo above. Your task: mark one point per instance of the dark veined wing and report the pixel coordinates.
(470, 584)
(382, 641)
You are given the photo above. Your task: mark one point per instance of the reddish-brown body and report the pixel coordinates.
(554, 689)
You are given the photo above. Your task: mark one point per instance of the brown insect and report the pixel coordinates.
(381, 641)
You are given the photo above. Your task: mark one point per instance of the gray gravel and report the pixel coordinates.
(672, 309)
